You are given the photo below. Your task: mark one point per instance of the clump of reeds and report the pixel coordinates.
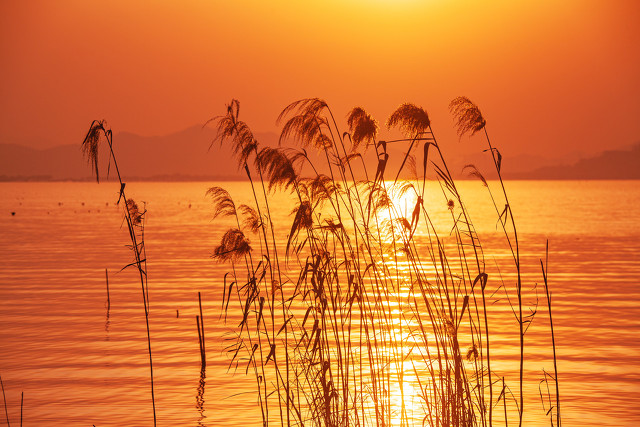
(363, 298)
(134, 217)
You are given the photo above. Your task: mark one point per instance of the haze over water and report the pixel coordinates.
(79, 363)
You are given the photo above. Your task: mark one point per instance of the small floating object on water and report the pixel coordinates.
(177, 314)
(13, 214)
(59, 203)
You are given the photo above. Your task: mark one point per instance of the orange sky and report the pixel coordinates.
(552, 77)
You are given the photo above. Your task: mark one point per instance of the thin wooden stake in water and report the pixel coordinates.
(4, 398)
(106, 273)
(199, 334)
(203, 359)
(200, 321)
(21, 405)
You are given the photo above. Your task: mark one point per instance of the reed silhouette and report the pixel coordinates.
(4, 399)
(365, 306)
(134, 218)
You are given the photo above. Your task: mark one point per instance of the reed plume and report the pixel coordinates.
(223, 205)
(91, 144)
(363, 128)
(467, 116)
(277, 167)
(410, 118)
(252, 220)
(230, 128)
(306, 124)
(234, 245)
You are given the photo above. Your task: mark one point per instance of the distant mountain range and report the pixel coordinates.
(184, 155)
(187, 156)
(611, 164)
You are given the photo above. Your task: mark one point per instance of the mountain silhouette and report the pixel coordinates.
(184, 155)
(188, 155)
(611, 164)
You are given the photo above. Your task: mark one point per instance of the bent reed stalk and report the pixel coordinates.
(134, 217)
(373, 306)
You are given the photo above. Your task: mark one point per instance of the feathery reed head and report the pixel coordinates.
(318, 189)
(252, 220)
(134, 212)
(230, 127)
(451, 204)
(410, 118)
(222, 203)
(311, 106)
(306, 124)
(473, 171)
(467, 116)
(278, 167)
(91, 144)
(233, 246)
(302, 220)
(362, 127)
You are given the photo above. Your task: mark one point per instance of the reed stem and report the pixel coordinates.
(4, 398)
(545, 273)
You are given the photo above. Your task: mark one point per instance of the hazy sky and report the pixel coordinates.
(551, 76)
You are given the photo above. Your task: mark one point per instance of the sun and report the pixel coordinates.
(395, 3)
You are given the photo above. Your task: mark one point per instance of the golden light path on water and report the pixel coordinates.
(78, 362)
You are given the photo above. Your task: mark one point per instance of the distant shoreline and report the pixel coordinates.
(199, 178)
(159, 178)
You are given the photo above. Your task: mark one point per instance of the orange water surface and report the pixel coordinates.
(79, 361)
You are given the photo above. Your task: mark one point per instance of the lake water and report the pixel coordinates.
(79, 363)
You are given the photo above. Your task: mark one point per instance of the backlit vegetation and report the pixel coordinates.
(372, 306)
(364, 312)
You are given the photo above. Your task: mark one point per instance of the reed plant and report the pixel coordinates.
(363, 311)
(134, 217)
